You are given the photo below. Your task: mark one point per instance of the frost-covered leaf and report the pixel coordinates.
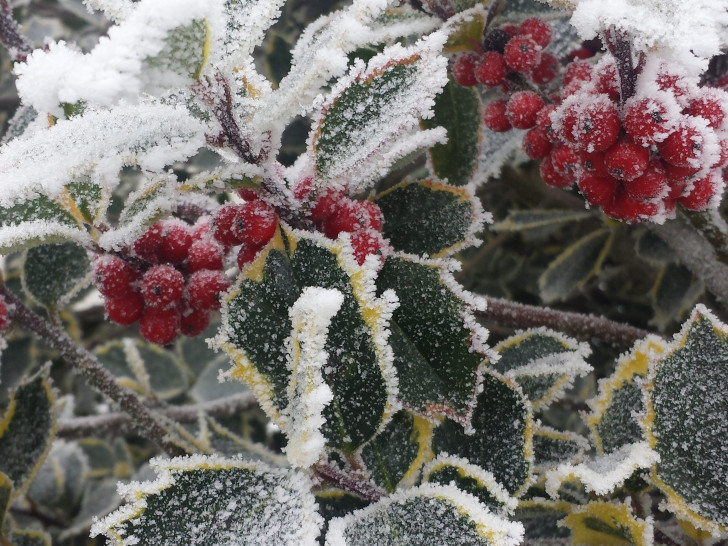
(99, 455)
(59, 483)
(674, 293)
(52, 274)
(575, 266)
(465, 30)
(687, 423)
(86, 200)
(99, 499)
(552, 447)
(543, 362)
(540, 519)
(336, 503)
(27, 429)
(501, 440)
(256, 325)
(614, 419)
(6, 495)
(21, 351)
(209, 385)
(245, 24)
(472, 479)
(429, 218)
(407, 518)
(521, 220)
(221, 440)
(652, 249)
(457, 109)
(437, 346)
(185, 50)
(396, 454)
(370, 118)
(495, 150)
(28, 537)
(608, 523)
(225, 501)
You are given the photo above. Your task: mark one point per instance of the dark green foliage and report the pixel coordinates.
(51, 273)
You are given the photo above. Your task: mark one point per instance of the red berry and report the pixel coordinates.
(606, 81)
(162, 285)
(247, 254)
(249, 194)
(598, 190)
(647, 119)
(147, 246)
(204, 288)
(4, 314)
(577, 72)
(565, 161)
(535, 144)
(194, 321)
(511, 30)
(495, 117)
(326, 205)
(551, 176)
(201, 228)
(710, 105)
(463, 71)
(376, 220)
(351, 216)
(546, 70)
(626, 160)
(160, 326)
(683, 147)
(593, 163)
(126, 309)
(543, 122)
(522, 53)
(677, 178)
(205, 254)
(113, 276)
(522, 109)
(596, 125)
(723, 154)
(176, 241)
(303, 188)
(630, 209)
(255, 223)
(540, 31)
(581, 53)
(222, 224)
(365, 242)
(492, 69)
(701, 193)
(651, 184)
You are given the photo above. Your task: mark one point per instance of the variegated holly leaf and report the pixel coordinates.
(500, 436)
(6, 496)
(437, 345)
(70, 266)
(465, 30)
(553, 447)
(687, 422)
(225, 500)
(257, 327)
(541, 520)
(674, 293)
(429, 218)
(428, 514)
(608, 523)
(59, 484)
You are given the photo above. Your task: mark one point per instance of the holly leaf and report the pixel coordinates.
(541, 520)
(674, 293)
(185, 51)
(552, 447)
(608, 523)
(6, 496)
(59, 484)
(69, 265)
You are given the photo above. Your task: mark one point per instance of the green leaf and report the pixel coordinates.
(552, 447)
(6, 496)
(428, 218)
(185, 50)
(27, 429)
(278, 57)
(457, 109)
(687, 422)
(59, 483)
(23, 537)
(53, 274)
(99, 499)
(543, 362)
(522, 220)
(223, 441)
(608, 523)
(540, 519)
(674, 293)
(652, 249)
(436, 353)
(466, 32)
(208, 387)
(502, 438)
(575, 266)
(211, 500)
(100, 456)
(429, 514)
(89, 200)
(256, 324)
(336, 503)
(396, 454)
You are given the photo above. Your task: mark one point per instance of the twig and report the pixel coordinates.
(576, 324)
(11, 36)
(349, 483)
(621, 48)
(116, 423)
(86, 363)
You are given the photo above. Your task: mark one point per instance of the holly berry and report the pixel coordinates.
(593, 163)
(326, 205)
(522, 109)
(463, 71)
(538, 30)
(204, 288)
(176, 241)
(246, 254)
(125, 310)
(255, 223)
(351, 216)
(535, 144)
(565, 161)
(598, 190)
(710, 105)
(4, 314)
(701, 193)
(162, 285)
(365, 242)
(160, 326)
(647, 119)
(492, 69)
(606, 81)
(553, 177)
(113, 276)
(593, 126)
(147, 246)
(495, 118)
(683, 147)
(249, 194)
(544, 123)
(522, 53)
(193, 321)
(652, 183)
(577, 72)
(626, 160)
(205, 254)
(222, 224)
(496, 40)
(546, 70)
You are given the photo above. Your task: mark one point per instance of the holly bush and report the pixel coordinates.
(366, 272)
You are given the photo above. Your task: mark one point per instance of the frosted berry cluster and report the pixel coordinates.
(171, 278)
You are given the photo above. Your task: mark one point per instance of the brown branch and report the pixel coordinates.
(119, 423)
(11, 36)
(621, 48)
(578, 325)
(349, 483)
(98, 377)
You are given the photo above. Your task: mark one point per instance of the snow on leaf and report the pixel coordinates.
(428, 514)
(686, 422)
(307, 392)
(201, 500)
(552, 447)
(430, 218)
(614, 418)
(117, 10)
(437, 346)
(603, 473)
(372, 113)
(27, 429)
(608, 523)
(540, 519)
(70, 266)
(496, 148)
(543, 362)
(59, 483)
(359, 370)
(500, 439)
(465, 29)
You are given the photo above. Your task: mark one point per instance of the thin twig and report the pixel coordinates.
(578, 325)
(118, 423)
(87, 364)
(349, 483)
(621, 48)
(11, 36)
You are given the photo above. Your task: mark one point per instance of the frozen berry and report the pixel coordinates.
(648, 120)
(522, 109)
(204, 288)
(522, 53)
(651, 184)
(700, 194)
(160, 326)
(194, 321)
(146, 247)
(255, 223)
(222, 224)
(162, 285)
(626, 160)
(598, 190)
(351, 216)
(495, 118)
(537, 29)
(577, 72)
(4, 314)
(463, 71)
(606, 80)
(551, 176)
(683, 147)
(492, 69)
(326, 205)
(543, 122)
(565, 161)
(546, 70)
(593, 163)
(365, 242)
(303, 188)
(113, 276)
(710, 105)
(201, 227)
(496, 40)
(581, 53)
(125, 310)
(535, 144)
(176, 241)
(249, 194)
(205, 254)
(596, 125)
(246, 254)
(627, 208)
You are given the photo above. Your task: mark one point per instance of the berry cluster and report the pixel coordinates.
(175, 275)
